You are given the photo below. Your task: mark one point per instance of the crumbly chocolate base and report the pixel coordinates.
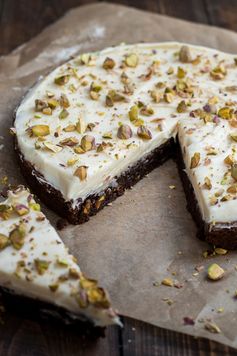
(95, 202)
(35, 309)
(220, 234)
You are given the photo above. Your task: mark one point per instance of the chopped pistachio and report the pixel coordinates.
(69, 141)
(62, 262)
(78, 150)
(53, 287)
(17, 236)
(47, 111)
(156, 96)
(52, 147)
(88, 143)
(146, 111)
(63, 114)
(4, 241)
(109, 63)
(131, 60)
(215, 272)
(94, 95)
(69, 128)
(234, 171)
(81, 172)
(64, 102)
(95, 87)
(229, 160)
(62, 80)
(5, 211)
(232, 189)
(71, 161)
(21, 209)
(234, 136)
(107, 135)
(185, 54)
(81, 125)
(181, 73)
(52, 103)
(34, 206)
(182, 107)
(225, 112)
(109, 101)
(220, 251)
(124, 132)
(144, 133)
(207, 183)
(218, 73)
(39, 130)
(116, 96)
(133, 113)
(40, 105)
(195, 160)
(212, 327)
(168, 97)
(167, 282)
(41, 266)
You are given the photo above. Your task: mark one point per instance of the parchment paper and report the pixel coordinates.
(147, 234)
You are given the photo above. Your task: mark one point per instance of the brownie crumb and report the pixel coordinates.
(61, 224)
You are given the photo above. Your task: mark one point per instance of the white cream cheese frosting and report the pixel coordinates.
(34, 262)
(95, 116)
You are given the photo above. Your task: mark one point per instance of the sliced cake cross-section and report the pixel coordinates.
(36, 265)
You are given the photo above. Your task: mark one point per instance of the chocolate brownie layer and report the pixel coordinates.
(95, 202)
(37, 310)
(220, 234)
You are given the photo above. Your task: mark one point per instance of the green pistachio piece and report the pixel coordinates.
(81, 172)
(39, 130)
(69, 141)
(17, 236)
(185, 54)
(63, 114)
(234, 171)
(131, 60)
(195, 160)
(144, 133)
(133, 113)
(64, 102)
(88, 143)
(124, 132)
(215, 272)
(81, 125)
(4, 241)
(182, 107)
(109, 63)
(181, 73)
(62, 80)
(41, 266)
(5, 211)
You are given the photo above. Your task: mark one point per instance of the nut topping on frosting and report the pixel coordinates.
(144, 133)
(39, 130)
(124, 132)
(109, 63)
(185, 54)
(195, 160)
(81, 172)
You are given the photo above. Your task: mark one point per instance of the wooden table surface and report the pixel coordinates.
(19, 21)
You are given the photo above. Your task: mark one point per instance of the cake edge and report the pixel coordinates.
(220, 234)
(93, 203)
(38, 310)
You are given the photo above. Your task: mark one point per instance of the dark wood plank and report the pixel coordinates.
(21, 20)
(143, 339)
(26, 337)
